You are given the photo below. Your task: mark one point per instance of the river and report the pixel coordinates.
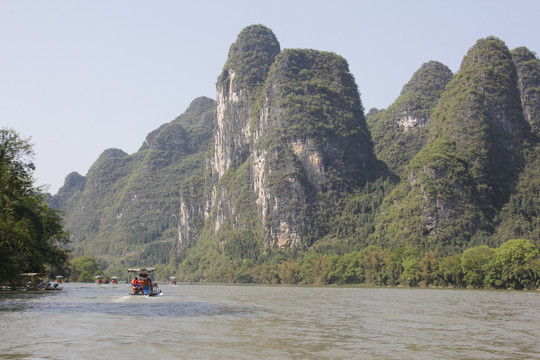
(87, 321)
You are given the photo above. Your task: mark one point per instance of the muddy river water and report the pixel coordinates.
(87, 321)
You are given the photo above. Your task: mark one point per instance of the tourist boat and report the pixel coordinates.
(173, 280)
(37, 282)
(114, 280)
(59, 279)
(141, 282)
(99, 280)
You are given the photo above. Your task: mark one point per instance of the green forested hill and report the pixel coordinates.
(284, 179)
(456, 184)
(125, 210)
(520, 217)
(400, 131)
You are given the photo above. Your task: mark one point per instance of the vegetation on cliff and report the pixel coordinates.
(250, 56)
(454, 187)
(125, 211)
(400, 131)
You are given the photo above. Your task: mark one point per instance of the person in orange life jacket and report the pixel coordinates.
(135, 285)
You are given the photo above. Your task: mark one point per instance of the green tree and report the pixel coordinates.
(31, 233)
(515, 265)
(265, 274)
(345, 269)
(401, 259)
(428, 266)
(84, 269)
(475, 264)
(411, 271)
(242, 274)
(449, 272)
(313, 268)
(289, 272)
(374, 261)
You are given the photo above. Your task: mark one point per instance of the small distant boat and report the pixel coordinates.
(173, 280)
(99, 280)
(141, 282)
(114, 280)
(59, 279)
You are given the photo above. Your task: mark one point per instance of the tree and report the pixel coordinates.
(374, 260)
(85, 268)
(515, 265)
(475, 264)
(289, 272)
(428, 266)
(314, 268)
(31, 233)
(449, 272)
(402, 266)
(345, 269)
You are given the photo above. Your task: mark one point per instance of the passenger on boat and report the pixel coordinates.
(135, 286)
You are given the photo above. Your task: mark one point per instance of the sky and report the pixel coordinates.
(79, 77)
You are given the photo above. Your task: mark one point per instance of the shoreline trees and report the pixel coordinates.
(515, 264)
(32, 236)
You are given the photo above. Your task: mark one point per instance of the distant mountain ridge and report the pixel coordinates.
(285, 159)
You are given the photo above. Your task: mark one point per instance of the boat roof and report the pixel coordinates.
(34, 274)
(113, 277)
(142, 270)
(99, 277)
(172, 278)
(59, 277)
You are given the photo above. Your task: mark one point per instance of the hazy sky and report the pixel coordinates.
(79, 77)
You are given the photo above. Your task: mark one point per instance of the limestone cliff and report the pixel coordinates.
(290, 138)
(238, 88)
(310, 138)
(528, 68)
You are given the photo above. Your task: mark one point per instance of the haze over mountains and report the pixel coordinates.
(286, 158)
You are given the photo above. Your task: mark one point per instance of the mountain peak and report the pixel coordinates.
(430, 79)
(251, 55)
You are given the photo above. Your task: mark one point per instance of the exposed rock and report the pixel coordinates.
(528, 68)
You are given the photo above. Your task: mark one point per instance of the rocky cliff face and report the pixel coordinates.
(528, 68)
(289, 130)
(310, 137)
(238, 88)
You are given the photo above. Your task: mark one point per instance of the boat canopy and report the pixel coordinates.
(34, 274)
(142, 270)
